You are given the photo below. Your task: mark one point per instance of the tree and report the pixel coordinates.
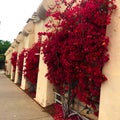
(4, 45)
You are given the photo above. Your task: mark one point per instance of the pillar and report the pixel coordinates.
(110, 90)
(9, 64)
(28, 32)
(16, 75)
(24, 84)
(20, 48)
(12, 74)
(44, 91)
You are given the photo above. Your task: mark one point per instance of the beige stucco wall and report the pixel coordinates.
(31, 39)
(39, 26)
(8, 64)
(48, 3)
(15, 49)
(110, 91)
(29, 28)
(20, 48)
(27, 44)
(44, 91)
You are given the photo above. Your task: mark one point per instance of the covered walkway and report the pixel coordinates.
(16, 105)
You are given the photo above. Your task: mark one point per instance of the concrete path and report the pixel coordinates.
(16, 105)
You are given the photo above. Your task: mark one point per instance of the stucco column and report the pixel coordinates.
(16, 75)
(110, 90)
(9, 64)
(20, 48)
(15, 49)
(24, 84)
(16, 71)
(12, 74)
(44, 91)
(8, 54)
(28, 32)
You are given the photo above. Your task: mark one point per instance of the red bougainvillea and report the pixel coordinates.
(20, 65)
(14, 60)
(32, 62)
(21, 60)
(76, 51)
(58, 115)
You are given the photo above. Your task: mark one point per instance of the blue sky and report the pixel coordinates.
(14, 15)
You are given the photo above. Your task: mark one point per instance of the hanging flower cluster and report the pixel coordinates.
(76, 52)
(14, 60)
(21, 60)
(58, 115)
(20, 65)
(32, 62)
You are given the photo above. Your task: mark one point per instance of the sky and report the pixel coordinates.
(14, 15)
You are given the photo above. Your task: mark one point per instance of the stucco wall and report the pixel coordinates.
(110, 91)
(20, 48)
(44, 93)
(8, 64)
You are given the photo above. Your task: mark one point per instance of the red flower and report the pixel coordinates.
(21, 60)
(32, 62)
(76, 52)
(14, 60)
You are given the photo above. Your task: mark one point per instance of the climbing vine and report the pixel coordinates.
(20, 64)
(14, 60)
(76, 50)
(32, 62)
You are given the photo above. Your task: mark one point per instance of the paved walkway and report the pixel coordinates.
(16, 105)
